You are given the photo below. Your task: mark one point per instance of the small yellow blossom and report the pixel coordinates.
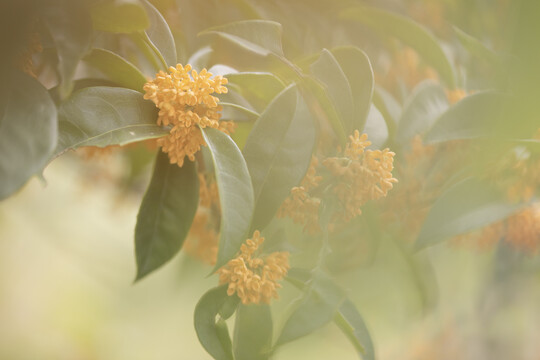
(186, 104)
(254, 279)
(455, 95)
(523, 229)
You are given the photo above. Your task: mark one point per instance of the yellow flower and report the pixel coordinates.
(523, 229)
(455, 95)
(254, 279)
(186, 104)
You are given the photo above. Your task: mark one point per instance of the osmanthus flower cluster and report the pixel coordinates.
(253, 277)
(186, 104)
(354, 177)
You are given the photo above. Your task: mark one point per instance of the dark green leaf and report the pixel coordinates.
(352, 324)
(408, 31)
(423, 108)
(229, 307)
(117, 69)
(235, 193)
(261, 37)
(252, 332)
(357, 68)
(28, 130)
(237, 113)
(160, 34)
(119, 16)
(278, 152)
(327, 70)
(212, 334)
(467, 206)
(317, 307)
(103, 116)
(475, 116)
(70, 27)
(166, 214)
(258, 88)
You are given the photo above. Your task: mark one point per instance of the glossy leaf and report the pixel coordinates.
(70, 27)
(261, 37)
(352, 325)
(235, 193)
(327, 70)
(117, 69)
(103, 116)
(237, 113)
(252, 332)
(475, 116)
(408, 31)
(212, 334)
(376, 128)
(28, 130)
(423, 108)
(119, 16)
(160, 34)
(258, 88)
(317, 307)
(357, 68)
(166, 213)
(278, 152)
(467, 206)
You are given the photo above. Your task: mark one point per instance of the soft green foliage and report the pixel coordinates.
(252, 332)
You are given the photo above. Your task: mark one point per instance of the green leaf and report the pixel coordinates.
(103, 116)
(422, 109)
(166, 214)
(389, 108)
(213, 335)
(237, 113)
(327, 70)
(352, 325)
(357, 68)
(376, 128)
(235, 193)
(478, 49)
(117, 69)
(277, 152)
(28, 130)
(467, 206)
(119, 16)
(252, 332)
(160, 34)
(257, 88)
(321, 107)
(70, 27)
(409, 32)
(476, 116)
(261, 37)
(201, 58)
(317, 307)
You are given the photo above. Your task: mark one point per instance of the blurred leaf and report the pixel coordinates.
(252, 332)
(357, 68)
(423, 108)
(327, 70)
(211, 334)
(235, 193)
(408, 31)
(317, 307)
(28, 130)
(117, 69)
(258, 88)
(103, 116)
(478, 49)
(160, 34)
(166, 213)
(70, 27)
(229, 307)
(201, 58)
(237, 113)
(261, 37)
(352, 324)
(321, 107)
(376, 128)
(468, 205)
(477, 115)
(389, 108)
(119, 16)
